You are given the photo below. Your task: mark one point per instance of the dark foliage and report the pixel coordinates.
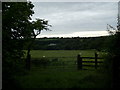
(15, 17)
(76, 43)
(114, 59)
(18, 32)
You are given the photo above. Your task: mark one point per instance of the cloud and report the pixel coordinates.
(73, 0)
(66, 17)
(78, 34)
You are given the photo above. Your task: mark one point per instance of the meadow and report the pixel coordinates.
(65, 57)
(62, 77)
(61, 53)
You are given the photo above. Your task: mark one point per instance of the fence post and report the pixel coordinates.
(79, 62)
(96, 56)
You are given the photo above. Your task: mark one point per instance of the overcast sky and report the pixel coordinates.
(76, 18)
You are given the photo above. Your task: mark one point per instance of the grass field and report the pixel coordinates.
(61, 53)
(61, 77)
(64, 55)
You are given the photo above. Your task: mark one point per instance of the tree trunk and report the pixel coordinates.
(28, 58)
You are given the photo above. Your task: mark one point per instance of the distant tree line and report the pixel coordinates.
(75, 43)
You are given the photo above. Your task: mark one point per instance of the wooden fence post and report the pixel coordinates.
(96, 56)
(79, 62)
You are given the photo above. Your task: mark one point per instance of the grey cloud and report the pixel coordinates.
(73, 17)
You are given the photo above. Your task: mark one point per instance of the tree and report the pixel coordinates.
(18, 31)
(114, 53)
(35, 27)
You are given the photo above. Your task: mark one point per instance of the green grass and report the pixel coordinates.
(63, 79)
(70, 54)
(61, 53)
(66, 76)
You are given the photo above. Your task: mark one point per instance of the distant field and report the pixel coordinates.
(66, 58)
(61, 53)
(70, 55)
